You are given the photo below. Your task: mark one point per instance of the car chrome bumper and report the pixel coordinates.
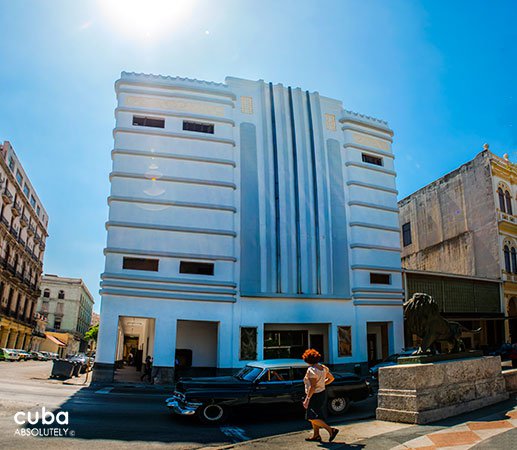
(181, 408)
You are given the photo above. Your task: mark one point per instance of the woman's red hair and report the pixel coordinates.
(311, 356)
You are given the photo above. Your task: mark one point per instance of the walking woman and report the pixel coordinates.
(316, 378)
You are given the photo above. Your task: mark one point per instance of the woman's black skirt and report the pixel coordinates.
(317, 407)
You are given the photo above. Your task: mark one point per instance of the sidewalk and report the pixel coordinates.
(493, 427)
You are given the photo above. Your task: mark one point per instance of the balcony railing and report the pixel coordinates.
(14, 231)
(5, 221)
(30, 230)
(504, 217)
(21, 241)
(7, 197)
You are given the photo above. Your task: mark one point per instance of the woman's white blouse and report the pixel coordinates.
(320, 376)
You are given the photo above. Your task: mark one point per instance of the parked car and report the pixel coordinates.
(10, 354)
(390, 361)
(38, 356)
(271, 383)
(24, 356)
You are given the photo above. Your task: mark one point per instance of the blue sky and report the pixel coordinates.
(442, 73)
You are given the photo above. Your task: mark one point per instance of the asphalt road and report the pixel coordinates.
(99, 418)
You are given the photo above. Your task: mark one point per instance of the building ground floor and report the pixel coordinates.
(477, 304)
(186, 337)
(14, 334)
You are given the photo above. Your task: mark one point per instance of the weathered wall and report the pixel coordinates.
(453, 223)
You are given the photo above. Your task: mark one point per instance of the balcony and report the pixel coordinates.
(42, 246)
(504, 217)
(21, 241)
(37, 238)
(510, 277)
(30, 230)
(24, 221)
(7, 197)
(14, 231)
(5, 222)
(17, 209)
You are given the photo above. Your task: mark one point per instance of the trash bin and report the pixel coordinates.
(62, 368)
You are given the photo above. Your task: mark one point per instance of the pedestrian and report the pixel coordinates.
(315, 403)
(130, 358)
(148, 367)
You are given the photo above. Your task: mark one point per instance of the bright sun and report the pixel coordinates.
(147, 18)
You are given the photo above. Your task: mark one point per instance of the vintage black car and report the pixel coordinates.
(276, 383)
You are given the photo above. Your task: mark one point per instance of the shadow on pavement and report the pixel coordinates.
(99, 414)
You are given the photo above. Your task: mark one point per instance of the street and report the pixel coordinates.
(122, 417)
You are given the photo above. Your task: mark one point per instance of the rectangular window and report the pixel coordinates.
(248, 344)
(199, 127)
(196, 268)
(380, 278)
(372, 159)
(26, 190)
(11, 163)
(38, 210)
(150, 265)
(344, 341)
(19, 177)
(406, 234)
(57, 324)
(33, 201)
(148, 122)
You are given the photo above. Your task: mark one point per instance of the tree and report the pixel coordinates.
(91, 334)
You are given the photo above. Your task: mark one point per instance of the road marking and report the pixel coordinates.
(105, 390)
(236, 434)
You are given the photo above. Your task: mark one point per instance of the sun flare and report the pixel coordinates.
(149, 18)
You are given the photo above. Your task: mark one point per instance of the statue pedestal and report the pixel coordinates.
(424, 393)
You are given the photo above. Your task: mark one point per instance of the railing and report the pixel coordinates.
(502, 216)
(31, 230)
(5, 221)
(14, 231)
(21, 241)
(507, 276)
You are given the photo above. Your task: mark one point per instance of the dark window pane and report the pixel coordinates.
(406, 234)
(199, 127)
(507, 265)
(148, 122)
(196, 268)
(140, 264)
(508, 202)
(372, 159)
(501, 200)
(380, 278)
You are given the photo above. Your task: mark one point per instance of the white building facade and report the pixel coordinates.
(247, 221)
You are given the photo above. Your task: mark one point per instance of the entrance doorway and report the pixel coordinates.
(196, 348)
(377, 341)
(135, 343)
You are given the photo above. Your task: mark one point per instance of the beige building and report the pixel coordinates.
(23, 231)
(460, 233)
(67, 304)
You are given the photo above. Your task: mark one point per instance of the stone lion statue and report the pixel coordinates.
(423, 319)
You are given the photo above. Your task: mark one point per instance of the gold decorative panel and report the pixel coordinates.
(330, 122)
(246, 105)
(370, 141)
(176, 105)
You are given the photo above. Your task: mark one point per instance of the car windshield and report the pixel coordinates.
(249, 373)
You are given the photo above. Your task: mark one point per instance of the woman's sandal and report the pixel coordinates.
(313, 439)
(335, 431)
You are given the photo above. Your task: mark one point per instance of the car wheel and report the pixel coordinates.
(212, 413)
(338, 405)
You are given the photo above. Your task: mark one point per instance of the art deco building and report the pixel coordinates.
(23, 231)
(247, 221)
(67, 304)
(459, 244)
